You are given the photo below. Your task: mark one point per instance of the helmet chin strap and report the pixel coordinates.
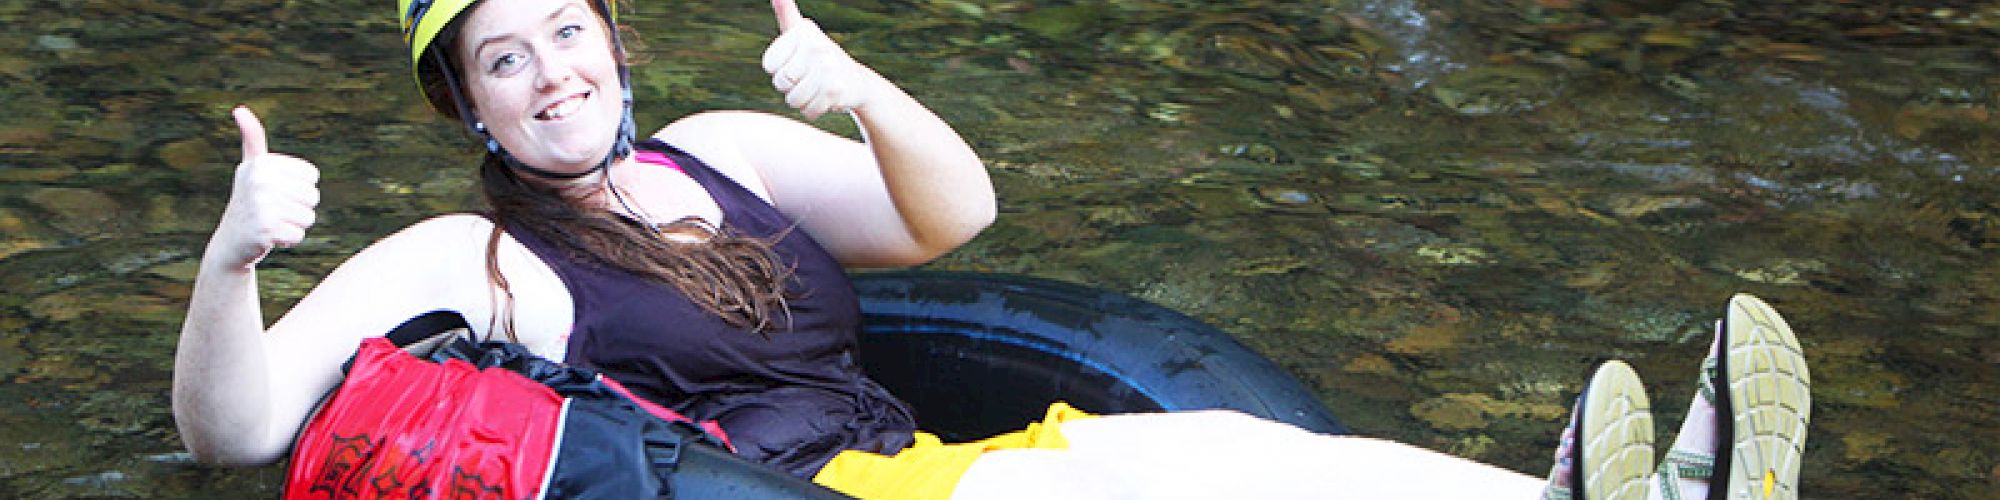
(619, 150)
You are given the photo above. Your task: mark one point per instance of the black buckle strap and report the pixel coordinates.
(425, 326)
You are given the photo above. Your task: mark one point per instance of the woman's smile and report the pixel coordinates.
(562, 108)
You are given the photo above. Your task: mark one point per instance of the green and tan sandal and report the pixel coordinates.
(1769, 403)
(1768, 406)
(1607, 451)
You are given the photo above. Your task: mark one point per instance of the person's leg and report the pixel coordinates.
(1756, 360)
(1041, 474)
(1226, 454)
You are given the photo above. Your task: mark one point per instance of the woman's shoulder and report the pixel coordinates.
(439, 262)
(719, 139)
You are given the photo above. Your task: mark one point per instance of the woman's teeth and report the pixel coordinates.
(563, 108)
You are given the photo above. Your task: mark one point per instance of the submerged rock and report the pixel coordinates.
(1369, 363)
(1782, 271)
(1866, 385)
(1953, 462)
(1263, 266)
(283, 285)
(186, 154)
(1452, 255)
(57, 43)
(59, 307)
(1429, 339)
(1866, 446)
(180, 271)
(107, 481)
(12, 357)
(1633, 206)
(1451, 412)
(33, 175)
(175, 457)
(77, 211)
(171, 214)
(13, 223)
(1283, 198)
(1469, 411)
(1489, 90)
(64, 369)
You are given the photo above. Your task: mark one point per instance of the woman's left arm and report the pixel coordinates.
(911, 192)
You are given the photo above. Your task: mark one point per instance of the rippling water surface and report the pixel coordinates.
(1438, 213)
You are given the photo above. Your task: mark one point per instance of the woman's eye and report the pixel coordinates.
(505, 61)
(568, 32)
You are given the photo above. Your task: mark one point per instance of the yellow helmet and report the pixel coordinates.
(423, 19)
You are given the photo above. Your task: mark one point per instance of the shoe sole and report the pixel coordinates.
(1615, 449)
(1769, 403)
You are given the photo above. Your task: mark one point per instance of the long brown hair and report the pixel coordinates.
(733, 276)
(738, 278)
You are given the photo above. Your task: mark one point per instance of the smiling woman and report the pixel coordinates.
(703, 269)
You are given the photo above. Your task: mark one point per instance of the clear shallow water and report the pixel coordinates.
(1439, 214)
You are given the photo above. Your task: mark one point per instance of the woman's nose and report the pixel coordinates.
(552, 71)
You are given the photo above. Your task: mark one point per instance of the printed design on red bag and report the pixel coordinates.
(468, 485)
(357, 466)
(341, 470)
(391, 472)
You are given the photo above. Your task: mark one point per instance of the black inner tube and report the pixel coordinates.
(981, 354)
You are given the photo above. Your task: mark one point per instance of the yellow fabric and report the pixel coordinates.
(929, 469)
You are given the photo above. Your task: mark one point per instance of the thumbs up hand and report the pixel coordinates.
(270, 204)
(813, 72)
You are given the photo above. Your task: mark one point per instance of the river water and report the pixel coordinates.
(1439, 214)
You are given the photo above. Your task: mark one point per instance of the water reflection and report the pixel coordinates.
(1438, 213)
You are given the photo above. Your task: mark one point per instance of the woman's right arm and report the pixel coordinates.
(240, 391)
(220, 367)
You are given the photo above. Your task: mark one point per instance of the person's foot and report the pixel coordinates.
(1758, 362)
(1606, 451)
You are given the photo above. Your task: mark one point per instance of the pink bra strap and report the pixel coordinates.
(657, 158)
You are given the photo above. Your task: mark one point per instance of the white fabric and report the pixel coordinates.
(1226, 454)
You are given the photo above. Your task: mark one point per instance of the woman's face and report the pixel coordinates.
(542, 76)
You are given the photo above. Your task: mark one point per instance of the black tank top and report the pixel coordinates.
(792, 397)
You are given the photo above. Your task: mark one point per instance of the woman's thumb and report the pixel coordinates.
(788, 14)
(253, 132)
